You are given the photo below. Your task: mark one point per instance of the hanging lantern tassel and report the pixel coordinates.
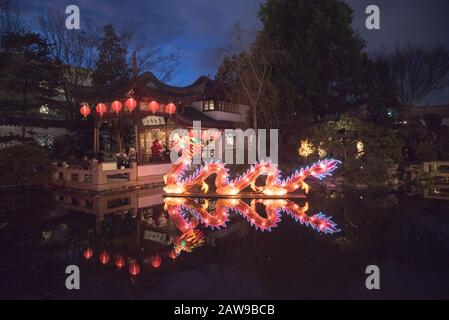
(170, 108)
(85, 110)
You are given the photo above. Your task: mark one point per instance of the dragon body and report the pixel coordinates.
(181, 178)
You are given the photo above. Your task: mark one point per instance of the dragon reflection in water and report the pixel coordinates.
(189, 214)
(192, 218)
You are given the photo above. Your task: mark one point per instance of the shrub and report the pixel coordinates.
(23, 164)
(369, 153)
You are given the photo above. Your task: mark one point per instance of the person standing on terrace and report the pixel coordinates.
(122, 159)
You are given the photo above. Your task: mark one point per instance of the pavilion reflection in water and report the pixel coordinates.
(437, 191)
(168, 227)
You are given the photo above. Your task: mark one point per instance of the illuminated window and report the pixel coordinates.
(44, 109)
(221, 106)
(208, 105)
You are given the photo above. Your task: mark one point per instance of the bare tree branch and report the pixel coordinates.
(418, 72)
(247, 64)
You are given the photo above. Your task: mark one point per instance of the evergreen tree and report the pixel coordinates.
(320, 58)
(111, 64)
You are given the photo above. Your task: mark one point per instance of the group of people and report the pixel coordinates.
(124, 160)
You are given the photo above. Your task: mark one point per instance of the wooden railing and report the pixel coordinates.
(96, 174)
(437, 168)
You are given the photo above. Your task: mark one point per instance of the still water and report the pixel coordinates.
(196, 248)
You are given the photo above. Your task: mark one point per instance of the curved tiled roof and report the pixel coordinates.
(198, 87)
(147, 83)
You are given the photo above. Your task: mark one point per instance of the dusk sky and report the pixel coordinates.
(198, 27)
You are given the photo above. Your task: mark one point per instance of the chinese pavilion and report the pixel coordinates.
(156, 108)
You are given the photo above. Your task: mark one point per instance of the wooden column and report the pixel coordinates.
(136, 142)
(96, 137)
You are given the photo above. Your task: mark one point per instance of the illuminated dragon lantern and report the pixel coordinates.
(179, 179)
(187, 214)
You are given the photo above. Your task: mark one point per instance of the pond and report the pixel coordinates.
(195, 248)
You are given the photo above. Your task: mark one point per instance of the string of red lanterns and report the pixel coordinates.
(130, 105)
(120, 261)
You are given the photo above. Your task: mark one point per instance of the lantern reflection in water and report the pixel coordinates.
(134, 268)
(119, 262)
(156, 261)
(104, 257)
(88, 253)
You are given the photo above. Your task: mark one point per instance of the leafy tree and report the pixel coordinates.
(321, 57)
(30, 76)
(377, 92)
(426, 150)
(369, 152)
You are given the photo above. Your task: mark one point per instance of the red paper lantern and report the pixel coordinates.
(192, 133)
(85, 110)
(156, 261)
(104, 257)
(154, 106)
(172, 254)
(101, 108)
(119, 261)
(116, 106)
(130, 104)
(88, 253)
(170, 108)
(134, 268)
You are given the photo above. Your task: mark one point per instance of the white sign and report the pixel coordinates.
(153, 121)
(155, 236)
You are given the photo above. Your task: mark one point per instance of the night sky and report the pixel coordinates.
(198, 27)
